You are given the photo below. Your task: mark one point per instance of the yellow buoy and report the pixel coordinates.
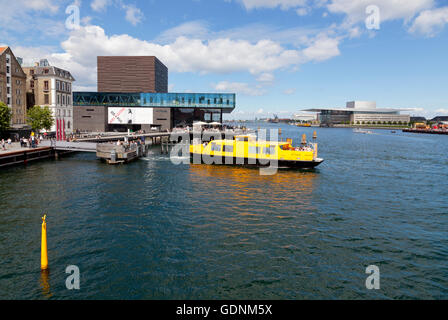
(43, 249)
(314, 135)
(303, 138)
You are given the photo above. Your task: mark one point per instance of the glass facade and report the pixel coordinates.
(186, 116)
(221, 101)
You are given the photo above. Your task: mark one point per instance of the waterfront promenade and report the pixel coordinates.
(15, 154)
(15, 146)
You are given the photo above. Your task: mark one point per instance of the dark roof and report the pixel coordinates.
(440, 118)
(52, 71)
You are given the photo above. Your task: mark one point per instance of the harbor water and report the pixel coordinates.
(155, 230)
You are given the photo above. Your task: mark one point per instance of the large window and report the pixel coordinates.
(254, 150)
(269, 150)
(216, 147)
(228, 148)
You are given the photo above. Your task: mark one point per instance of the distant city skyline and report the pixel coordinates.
(278, 56)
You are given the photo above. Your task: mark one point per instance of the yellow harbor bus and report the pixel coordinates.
(247, 150)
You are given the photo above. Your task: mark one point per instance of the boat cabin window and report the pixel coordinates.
(242, 138)
(253, 149)
(269, 150)
(216, 147)
(228, 148)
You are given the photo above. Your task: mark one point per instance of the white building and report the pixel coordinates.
(305, 117)
(360, 112)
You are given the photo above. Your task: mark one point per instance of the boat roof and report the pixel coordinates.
(280, 143)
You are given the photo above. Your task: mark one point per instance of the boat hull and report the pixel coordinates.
(237, 161)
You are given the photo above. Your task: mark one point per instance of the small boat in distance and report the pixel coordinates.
(359, 130)
(248, 151)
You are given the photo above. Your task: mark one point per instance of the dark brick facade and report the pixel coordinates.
(88, 118)
(130, 74)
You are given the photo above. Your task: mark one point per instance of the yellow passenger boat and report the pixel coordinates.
(247, 150)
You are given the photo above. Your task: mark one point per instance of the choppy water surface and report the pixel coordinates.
(154, 230)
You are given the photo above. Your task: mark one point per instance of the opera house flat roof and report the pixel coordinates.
(364, 110)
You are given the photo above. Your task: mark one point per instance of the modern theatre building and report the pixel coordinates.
(133, 94)
(360, 112)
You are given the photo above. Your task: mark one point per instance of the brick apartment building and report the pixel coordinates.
(13, 87)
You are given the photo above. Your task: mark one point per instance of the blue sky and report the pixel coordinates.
(279, 56)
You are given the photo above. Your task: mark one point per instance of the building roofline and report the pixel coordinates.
(370, 110)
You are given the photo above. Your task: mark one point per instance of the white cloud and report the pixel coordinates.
(26, 16)
(389, 9)
(99, 5)
(289, 91)
(196, 29)
(303, 11)
(266, 77)
(283, 4)
(442, 110)
(38, 5)
(133, 14)
(237, 87)
(429, 22)
(322, 48)
(219, 56)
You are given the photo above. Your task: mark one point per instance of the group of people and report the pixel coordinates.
(31, 142)
(304, 148)
(3, 143)
(130, 145)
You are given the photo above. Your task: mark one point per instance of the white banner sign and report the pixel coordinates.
(118, 115)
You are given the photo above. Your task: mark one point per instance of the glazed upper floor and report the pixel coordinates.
(224, 101)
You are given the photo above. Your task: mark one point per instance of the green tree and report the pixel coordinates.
(40, 118)
(5, 117)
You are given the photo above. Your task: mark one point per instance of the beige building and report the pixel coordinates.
(51, 86)
(12, 86)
